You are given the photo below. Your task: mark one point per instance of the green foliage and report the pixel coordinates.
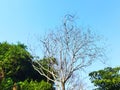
(34, 85)
(16, 65)
(15, 61)
(107, 79)
(6, 84)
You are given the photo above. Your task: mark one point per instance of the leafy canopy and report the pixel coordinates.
(106, 79)
(16, 67)
(16, 62)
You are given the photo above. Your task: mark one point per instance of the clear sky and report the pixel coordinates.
(20, 19)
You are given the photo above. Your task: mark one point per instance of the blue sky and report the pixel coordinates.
(20, 19)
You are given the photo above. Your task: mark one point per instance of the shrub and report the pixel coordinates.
(34, 85)
(6, 84)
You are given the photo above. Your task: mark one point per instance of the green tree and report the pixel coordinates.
(16, 62)
(16, 66)
(107, 79)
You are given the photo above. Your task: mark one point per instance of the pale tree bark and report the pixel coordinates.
(63, 85)
(72, 48)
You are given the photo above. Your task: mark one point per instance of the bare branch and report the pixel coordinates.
(72, 48)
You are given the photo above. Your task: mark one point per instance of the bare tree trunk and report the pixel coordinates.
(63, 85)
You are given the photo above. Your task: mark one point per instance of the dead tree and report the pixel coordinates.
(73, 49)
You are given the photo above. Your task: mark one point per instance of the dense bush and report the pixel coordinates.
(34, 85)
(6, 84)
